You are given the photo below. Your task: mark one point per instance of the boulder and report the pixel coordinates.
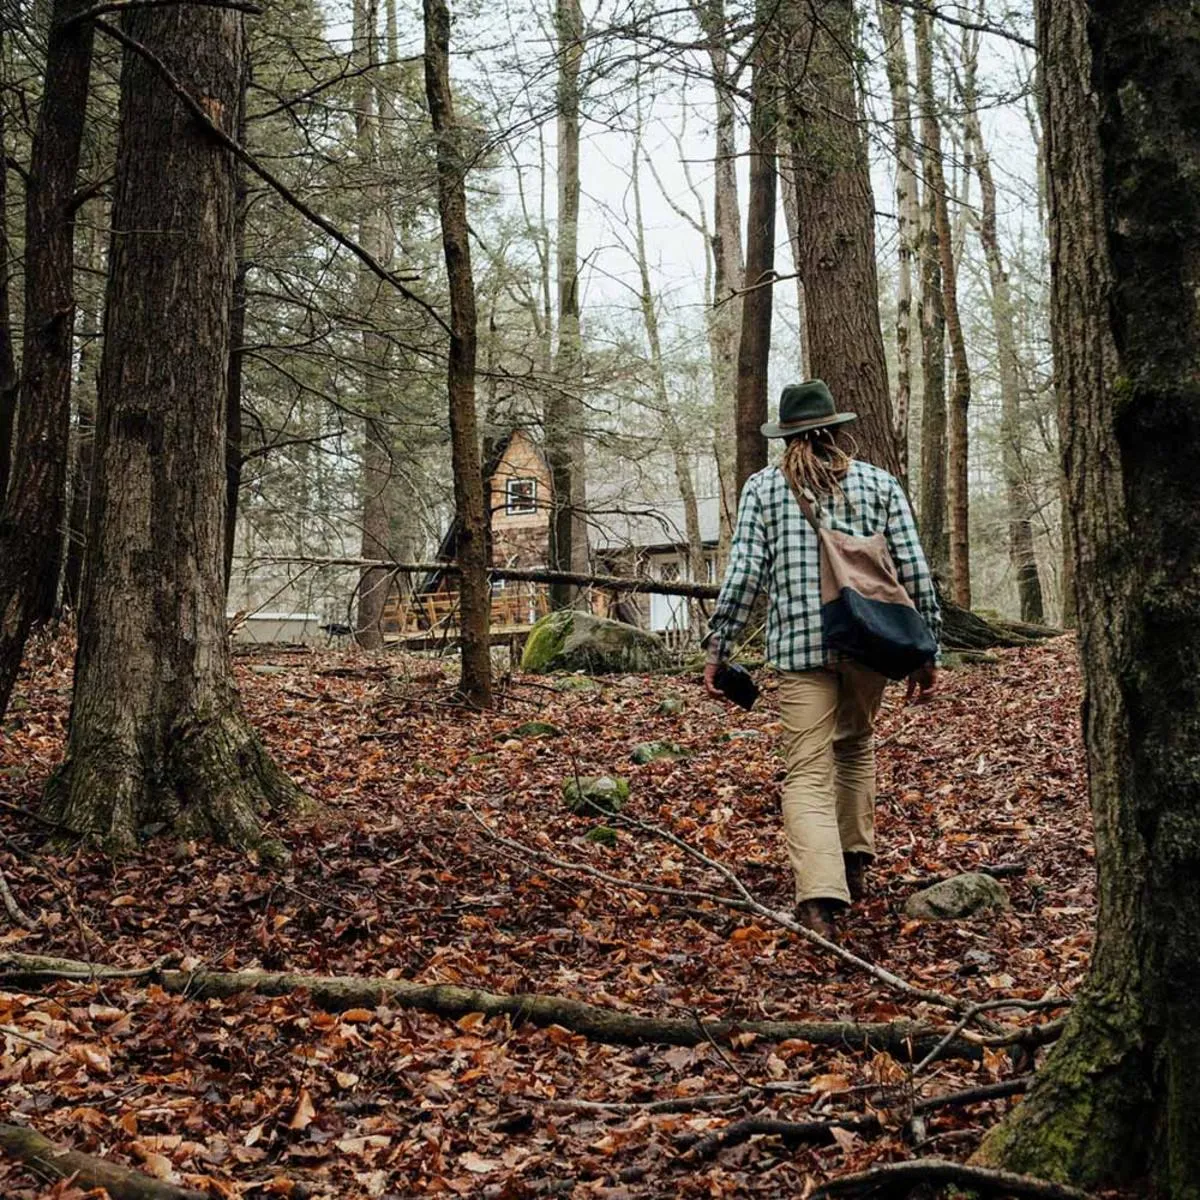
(591, 792)
(577, 641)
(962, 896)
(649, 752)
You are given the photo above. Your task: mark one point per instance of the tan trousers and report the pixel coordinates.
(828, 720)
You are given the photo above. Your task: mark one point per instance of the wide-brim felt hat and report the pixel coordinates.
(805, 406)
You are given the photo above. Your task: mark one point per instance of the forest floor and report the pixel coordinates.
(272, 1096)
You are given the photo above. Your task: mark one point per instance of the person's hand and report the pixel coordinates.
(923, 678)
(710, 682)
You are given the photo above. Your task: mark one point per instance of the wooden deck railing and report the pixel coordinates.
(514, 606)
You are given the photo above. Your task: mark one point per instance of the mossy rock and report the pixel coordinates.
(740, 735)
(604, 835)
(577, 641)
(649, 752)
(577, 683)
(536, 729)
(671, 706)
(607, 793)
(962, 896)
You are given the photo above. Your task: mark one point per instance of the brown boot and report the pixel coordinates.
(817, 915)
(857, 864)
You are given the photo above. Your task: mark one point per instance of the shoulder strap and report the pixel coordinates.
(805, 505)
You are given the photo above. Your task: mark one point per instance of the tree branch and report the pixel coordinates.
(935, 1170)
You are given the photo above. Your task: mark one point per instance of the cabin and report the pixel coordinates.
(626, 537)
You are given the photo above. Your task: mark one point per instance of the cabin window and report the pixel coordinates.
(520, 496)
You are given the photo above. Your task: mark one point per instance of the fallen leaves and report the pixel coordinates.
(273, 1096)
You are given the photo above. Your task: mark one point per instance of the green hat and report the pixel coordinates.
(805, 406)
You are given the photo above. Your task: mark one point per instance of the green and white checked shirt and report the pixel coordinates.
(775, 548)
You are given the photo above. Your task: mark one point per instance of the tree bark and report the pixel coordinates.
(8, 362)
(908, 216)
(1016, 485)
(836, 213)
(157, 734)
(754, 346)
(938, 208)
(725, 312)
(470, 508)
(935, 535)
(1115, 1102)
(33, 511)
(568, 549)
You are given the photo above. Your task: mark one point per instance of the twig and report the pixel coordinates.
(16, 913)
(973, 1012)
(121, 6)
(935, 1170)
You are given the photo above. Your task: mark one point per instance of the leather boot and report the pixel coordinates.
(817, 915)
(857, 864)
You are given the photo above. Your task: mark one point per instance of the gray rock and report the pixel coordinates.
(576, 641)
(671, 706)
(740, 735)
(588, 793)
(962, 896)
(649, 752)
(536, 729)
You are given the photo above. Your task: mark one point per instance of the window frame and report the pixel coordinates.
(524, 507)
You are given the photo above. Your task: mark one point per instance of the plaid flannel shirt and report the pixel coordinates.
(775, 548)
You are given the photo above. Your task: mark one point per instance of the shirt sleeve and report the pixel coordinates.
(743, 576)
(911, 567)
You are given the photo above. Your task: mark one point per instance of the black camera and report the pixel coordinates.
(738, 684)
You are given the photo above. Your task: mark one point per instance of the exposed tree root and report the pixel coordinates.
(50, 1161)
(821, 1133)
(893, 1177)
(966, 630)
(907, 1040)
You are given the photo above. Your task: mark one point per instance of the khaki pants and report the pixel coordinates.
(829, 792)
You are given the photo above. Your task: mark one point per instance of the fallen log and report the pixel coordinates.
(48, 1160)
(907, 1040)
(892, 1177)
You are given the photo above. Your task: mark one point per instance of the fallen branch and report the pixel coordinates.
(16, 914)
(336, 993)
(50, 1161)
(821, 1133)
(893, 1176)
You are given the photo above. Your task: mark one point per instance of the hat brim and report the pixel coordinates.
(773, 429)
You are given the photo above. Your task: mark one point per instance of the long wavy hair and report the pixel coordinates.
(817, 461)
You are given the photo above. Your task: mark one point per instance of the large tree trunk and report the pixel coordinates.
(157, 734)
(960, 399)
(564, 407)
(935, 535)
(471, 511)
(1115, 1102)
(836, 211)
(8, 362)
(1017, 495)
(33, 511)
(754, 346)
(908, 216)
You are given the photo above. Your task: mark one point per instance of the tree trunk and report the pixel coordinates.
(1019, 502)
(374, 585)
(935, 536)
(1115, 1102)
(725, 312)
(960, 400)
(157, 734)
(675, 438)
(237, 339)
(471, 511)
(908, 216)
(8, 362)
(836, 212)
(33, 511)
(791, 222)
(86, 379)
(564, 409)
(754, 346)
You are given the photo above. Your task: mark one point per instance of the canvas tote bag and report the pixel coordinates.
(866, 613)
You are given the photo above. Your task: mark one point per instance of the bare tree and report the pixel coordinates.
(471, 511)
